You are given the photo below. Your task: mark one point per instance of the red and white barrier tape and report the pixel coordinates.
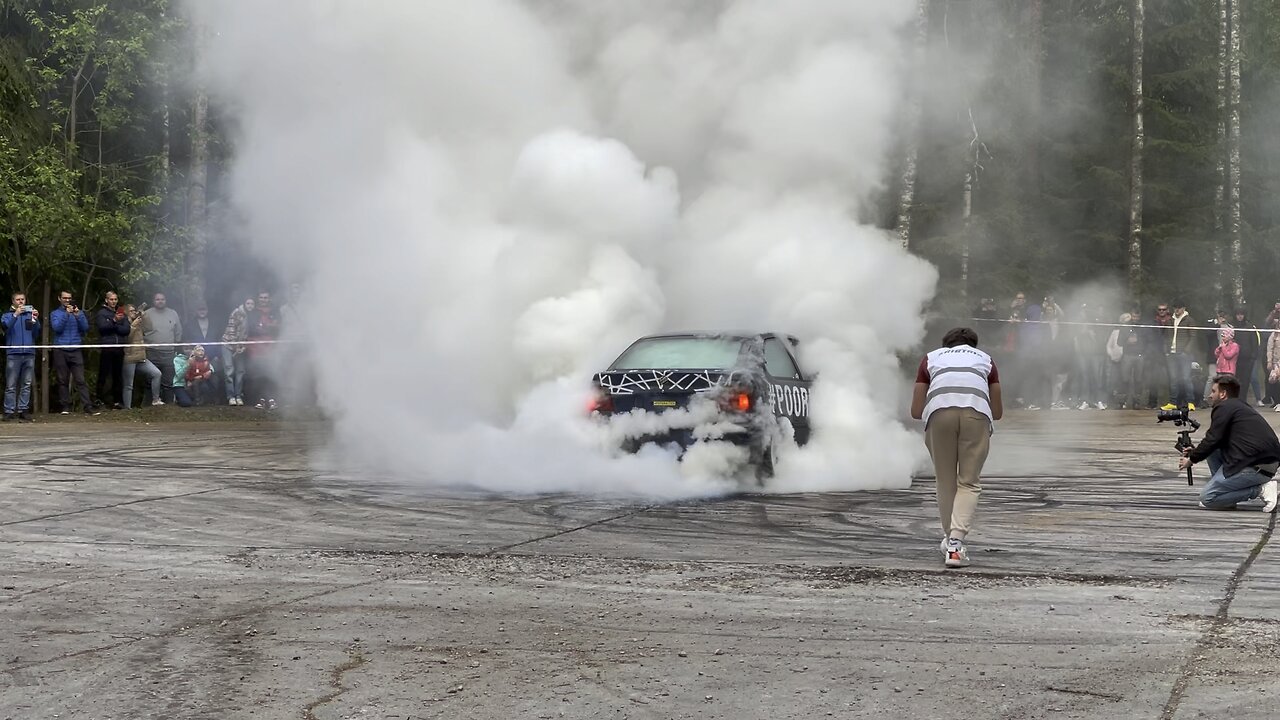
(149, 345)
(1214, 328)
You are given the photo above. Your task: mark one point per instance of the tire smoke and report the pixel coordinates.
(489, 200)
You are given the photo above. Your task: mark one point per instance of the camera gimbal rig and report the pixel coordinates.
(1181, 418)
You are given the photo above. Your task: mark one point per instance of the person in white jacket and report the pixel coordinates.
(957, 394)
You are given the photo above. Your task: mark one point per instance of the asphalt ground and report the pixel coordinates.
(216, 570)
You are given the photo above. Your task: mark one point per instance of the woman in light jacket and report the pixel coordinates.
(1273, 365)
(135, 359)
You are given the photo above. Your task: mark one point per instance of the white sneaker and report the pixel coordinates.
(1083, 406)
(240, 402)
(157, 403)
(957, 555)
(1101, 406)
(943, 547)
(231, 402)
(1270, 495)
(1276, 408)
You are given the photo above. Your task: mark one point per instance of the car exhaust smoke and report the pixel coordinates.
(487, 201)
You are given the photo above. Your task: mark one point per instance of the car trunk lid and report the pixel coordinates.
(656, 390)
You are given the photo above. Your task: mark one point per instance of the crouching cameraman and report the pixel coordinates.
(1242, 450)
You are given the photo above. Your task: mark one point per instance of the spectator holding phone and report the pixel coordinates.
(113, 329)
(21, 328)
(69, 326)
(135, 359)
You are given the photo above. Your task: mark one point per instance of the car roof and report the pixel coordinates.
(728, 335)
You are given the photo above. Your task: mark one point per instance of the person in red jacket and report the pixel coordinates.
(1227, 352)
(263, 325)
(200, 382)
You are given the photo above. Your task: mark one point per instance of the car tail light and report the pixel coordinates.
(601, 402)
(738, 401)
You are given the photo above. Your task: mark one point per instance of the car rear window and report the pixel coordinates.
(680, 353)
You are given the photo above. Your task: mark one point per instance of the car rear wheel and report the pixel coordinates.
(763, 461)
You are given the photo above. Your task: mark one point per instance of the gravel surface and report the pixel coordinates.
(205, 567)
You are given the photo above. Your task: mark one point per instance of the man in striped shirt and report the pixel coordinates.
(957, 394)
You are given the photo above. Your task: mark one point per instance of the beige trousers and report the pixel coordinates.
(958, 440)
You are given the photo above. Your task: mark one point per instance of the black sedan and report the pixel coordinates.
(746, 387)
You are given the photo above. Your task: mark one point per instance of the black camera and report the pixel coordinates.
(1180, 417)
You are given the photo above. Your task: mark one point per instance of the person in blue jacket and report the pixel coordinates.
(69, 326)
(22, 328)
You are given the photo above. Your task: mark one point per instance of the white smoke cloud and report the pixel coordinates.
(492, 198)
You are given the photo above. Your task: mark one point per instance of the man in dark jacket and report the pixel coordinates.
(1249, 338)
(113, 329)
(1242, 450)
(1156, 368)
(200, 330)
(1178, 341)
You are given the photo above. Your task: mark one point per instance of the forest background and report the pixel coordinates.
(1044, 145)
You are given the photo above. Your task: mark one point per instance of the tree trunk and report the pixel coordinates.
(88, 282)
(1033, 27)
(44, 354)
(911, 127)
(17, 265)
(73, 120)
(1219, 195)
(166, 139)
(197, 210)
(1136, 153)
(1233, 153)
(967, 215)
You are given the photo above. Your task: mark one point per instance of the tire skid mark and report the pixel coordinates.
(267, 607)
(125, 503)
(1220, 621)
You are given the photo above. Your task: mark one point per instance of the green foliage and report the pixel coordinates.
(44, 220)
(80, 197)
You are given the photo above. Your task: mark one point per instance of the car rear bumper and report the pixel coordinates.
(684, 439)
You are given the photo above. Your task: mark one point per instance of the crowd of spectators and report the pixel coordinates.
(187, 363)
(1085, 357)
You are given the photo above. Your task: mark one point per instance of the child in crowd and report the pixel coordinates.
(1227, 351)
(180, 394)
(1224, 355)
(199, 377)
